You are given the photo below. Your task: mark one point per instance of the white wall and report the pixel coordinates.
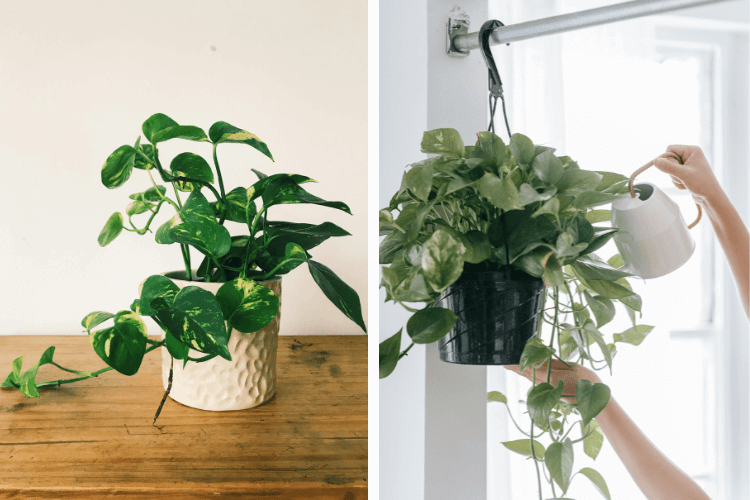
(78, 78)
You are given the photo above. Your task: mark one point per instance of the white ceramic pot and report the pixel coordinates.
(220, 385)
(657, 241)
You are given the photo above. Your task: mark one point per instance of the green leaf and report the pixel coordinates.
(497, 397)
(600, 240)
(593, 270)
(603, 308)
(559, 462)
(478, 248)
(94, 319)
(237, 206)
(139, 207)
(609, 179)
(593, 443)
(597, 480)
(14, 376)
(419, 180)
(533, 262)
(430, 324)
(196, 320)
(633, 301)
(271, 183)
(490, 145)
(123, 345)
(193, 166)
(342, 295)
(534, 352)
(566, 246)
(118, 167)
(547, 167)
(155, 287)
(523, 447)
(527, 194)
(389, 351)
(246, 305)
(575, 181)
(111, 229)
(146, 149)
(609, 289)
(199, 228)
(502, 194)
(151, 194)
(634, 335)
(553, 273)
(162, 234)
(305, 235)
(591, 399)
(27, 382)
(594, 216)
(522, 231)
(589, 199)
(550, 207)
(442, 260)
(443, 141)
(285, 190)
(159, 128)
(542, 399)
(522, 149)
(616, 261)
(224, 132)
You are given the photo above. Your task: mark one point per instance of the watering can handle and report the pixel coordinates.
(632, 192)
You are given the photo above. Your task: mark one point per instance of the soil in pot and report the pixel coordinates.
(497, 315)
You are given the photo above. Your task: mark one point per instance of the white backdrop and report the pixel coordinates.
(77, 80)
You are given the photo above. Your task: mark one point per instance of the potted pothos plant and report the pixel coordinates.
(489, 238)
(220, 321)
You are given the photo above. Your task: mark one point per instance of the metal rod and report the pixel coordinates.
(575, 21)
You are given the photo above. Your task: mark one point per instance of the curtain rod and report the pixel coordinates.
(463, 43)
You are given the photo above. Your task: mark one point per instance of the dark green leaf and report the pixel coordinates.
(478, 248)
(236, 206)
(575, 181)
(419, 180)
(162, 234)
(430, 324)
(176, 349)
(559, 462)
(342, 295)
(533, 262)
(600, 240)
(285, 190)
(159, 128)
(246, 305)
(442, 260)
(224, 132)
(305, 235)
(118, 167)
(154, 287)
(123, 345)
(522, 231)
(390, 247)
(549, 207)
(389, 351)
(111, 229)
(199, 228)
(534, 352)
(196, 320)
(193, 166)
(591, 399)
(443, 141)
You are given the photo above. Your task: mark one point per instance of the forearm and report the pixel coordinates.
(734, 239)
(655, 475)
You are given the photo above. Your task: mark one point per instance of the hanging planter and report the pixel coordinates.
(496, 314)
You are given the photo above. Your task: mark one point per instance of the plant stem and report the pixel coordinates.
(166, 393)
(406, 351)
(221, 188)
(536, 465)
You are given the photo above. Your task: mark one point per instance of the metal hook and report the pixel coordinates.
(495, 84)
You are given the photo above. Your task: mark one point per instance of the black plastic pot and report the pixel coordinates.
(496, 316)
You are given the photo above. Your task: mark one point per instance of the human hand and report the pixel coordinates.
(560, 371)
(689, 169)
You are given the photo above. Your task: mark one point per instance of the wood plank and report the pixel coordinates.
(94, 439)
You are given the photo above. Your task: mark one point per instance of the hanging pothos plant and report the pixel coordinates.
(447, 214)
(193, 318)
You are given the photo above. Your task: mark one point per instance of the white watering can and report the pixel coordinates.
(657, 240)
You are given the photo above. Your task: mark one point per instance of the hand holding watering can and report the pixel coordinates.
(657, 240)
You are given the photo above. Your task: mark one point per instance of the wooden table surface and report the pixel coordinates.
(94, 439)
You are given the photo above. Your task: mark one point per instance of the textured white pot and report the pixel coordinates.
(220, 385)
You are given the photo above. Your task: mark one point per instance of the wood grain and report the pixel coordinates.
(94, 439)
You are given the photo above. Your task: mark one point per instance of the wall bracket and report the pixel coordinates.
(458, 24)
